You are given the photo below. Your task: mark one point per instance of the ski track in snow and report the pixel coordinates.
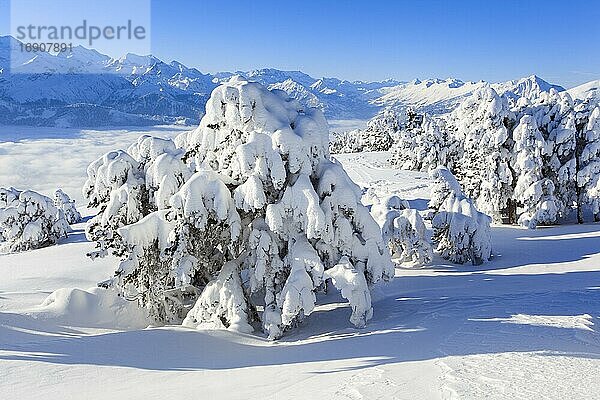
(522, 326)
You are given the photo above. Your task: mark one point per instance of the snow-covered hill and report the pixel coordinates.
(88, 89)
(587, 90)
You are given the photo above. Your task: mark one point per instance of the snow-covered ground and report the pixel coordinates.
(521, 326)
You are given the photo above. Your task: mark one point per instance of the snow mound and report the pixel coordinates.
(95, 307)
(583, 321)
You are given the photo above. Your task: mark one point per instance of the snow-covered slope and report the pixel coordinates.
(524, 325)
(441, 96)
(590, 89)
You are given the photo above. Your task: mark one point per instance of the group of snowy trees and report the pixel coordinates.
(30, 220)
(461, 233)
(421, 144)
(531, 161)
(378, 135)
(240, 223)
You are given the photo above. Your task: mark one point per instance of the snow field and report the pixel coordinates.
(523, 325)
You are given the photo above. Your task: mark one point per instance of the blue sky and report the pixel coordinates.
(372, 40)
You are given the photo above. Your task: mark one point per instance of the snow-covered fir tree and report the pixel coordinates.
(534, 193)
(63, 202)
(422, 144)
(29, 220)
(554, 117)
(379, 135)
(403, 231)
(127, 185)
(482, 124)
(345, 142)
(263, 221)
(461, 232)
(588, 157)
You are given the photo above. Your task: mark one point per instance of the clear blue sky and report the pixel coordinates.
(372, 40)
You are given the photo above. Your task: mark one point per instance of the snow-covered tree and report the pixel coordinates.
(554, 117)
(564, 156)
(482, 125)
(534, 193)
(63, 202)
(403, 231)
(115, 185)
(422, 144)
(461, 232)
(377, 136)
(588, 171)
(345, 142)
(258, 224)
(29, 220)
(127, 186)
(381, 130)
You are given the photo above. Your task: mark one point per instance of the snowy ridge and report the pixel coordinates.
(587, 90)
(441, 96)
(144, 90)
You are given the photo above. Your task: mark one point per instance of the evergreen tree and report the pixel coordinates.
(588, 157)
(482, 124)
(63, 202)
(533, 192)
(265, 203)
(461, 232)
(29, 220)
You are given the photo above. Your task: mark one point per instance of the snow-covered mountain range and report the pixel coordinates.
(74, 89)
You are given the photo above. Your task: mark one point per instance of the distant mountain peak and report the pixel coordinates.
(145, 89)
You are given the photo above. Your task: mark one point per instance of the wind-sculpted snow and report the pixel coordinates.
(251, 194)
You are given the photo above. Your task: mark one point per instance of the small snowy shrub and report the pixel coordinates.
(403, 231)
(461, 232)
(351, 281)
(29, 220)
(222, 302)
(248, 210)
(63, 202)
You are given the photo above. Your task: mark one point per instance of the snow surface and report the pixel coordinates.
(585, 91)
(523, 325)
